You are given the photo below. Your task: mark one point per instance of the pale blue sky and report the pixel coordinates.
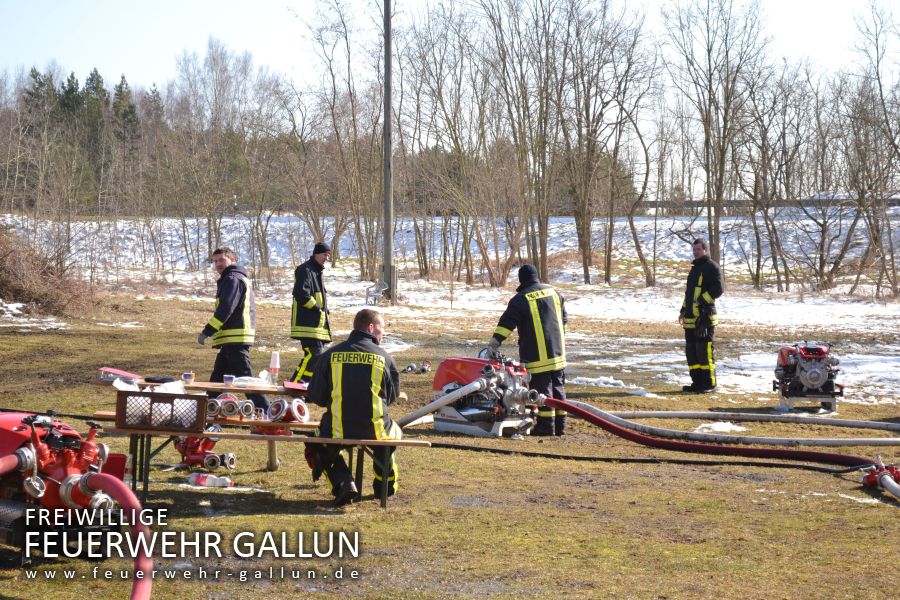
(144, 39)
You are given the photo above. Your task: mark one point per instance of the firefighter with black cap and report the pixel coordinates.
(309, 311)
(233, 324)
(538, 311)
(355, 381)
(699, 319)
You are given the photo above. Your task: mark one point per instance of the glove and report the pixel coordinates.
(201, 339)
(494, 344)
(701, 326)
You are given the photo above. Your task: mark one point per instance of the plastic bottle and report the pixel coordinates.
(274, 367)
(207, 480)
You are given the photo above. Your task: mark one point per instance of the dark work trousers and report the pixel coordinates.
(312, 349)
(330, 459)
(549, 383)
(234, 359)
(701, 359)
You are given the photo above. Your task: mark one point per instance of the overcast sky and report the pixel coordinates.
(144, 39)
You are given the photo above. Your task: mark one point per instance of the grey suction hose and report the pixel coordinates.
(482, 383)
(773, 418)
(735, 439)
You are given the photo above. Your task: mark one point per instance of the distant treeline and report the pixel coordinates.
(505, 112)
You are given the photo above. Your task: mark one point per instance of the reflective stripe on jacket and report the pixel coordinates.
(704, 285)
(355, 381)
(234, 320)
(309, 310)
(538, 312)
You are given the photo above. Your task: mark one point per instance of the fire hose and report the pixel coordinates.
(737, 439)
(120, 492)
(733, 416)
(9, 463)
(602, 419)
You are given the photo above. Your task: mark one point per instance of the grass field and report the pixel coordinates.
(476, 524)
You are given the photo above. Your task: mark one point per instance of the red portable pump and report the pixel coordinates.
(46, 463)
(503, 409)
(807, 370)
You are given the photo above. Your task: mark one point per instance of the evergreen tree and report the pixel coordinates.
(71, 100)
(127, 126)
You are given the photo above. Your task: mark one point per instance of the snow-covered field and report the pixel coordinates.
(870, 371)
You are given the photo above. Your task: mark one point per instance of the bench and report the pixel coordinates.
(375, 291)
(141, 453)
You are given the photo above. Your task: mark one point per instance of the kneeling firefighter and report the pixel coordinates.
(538, 311)
(355, 381)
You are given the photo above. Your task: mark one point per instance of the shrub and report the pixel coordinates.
(30, 278)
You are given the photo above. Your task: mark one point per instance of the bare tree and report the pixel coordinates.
(717, 45)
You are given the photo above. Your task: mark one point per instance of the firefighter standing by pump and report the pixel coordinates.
(309, 311)
(355, 381)
(699, 319)
(538, 312)
(233, 324)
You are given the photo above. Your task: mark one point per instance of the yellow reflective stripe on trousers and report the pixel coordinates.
(711, 365)
(337, 401)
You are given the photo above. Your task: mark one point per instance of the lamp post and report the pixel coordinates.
(389, 272)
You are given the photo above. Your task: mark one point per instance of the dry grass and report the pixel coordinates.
(468, 524)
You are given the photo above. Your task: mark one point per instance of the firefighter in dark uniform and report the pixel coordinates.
(538, 312)
(355, 381)
(699, 319)
(309, 311)
(233, 324)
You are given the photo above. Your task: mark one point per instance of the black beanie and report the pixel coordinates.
(528, 274)
(321, 247)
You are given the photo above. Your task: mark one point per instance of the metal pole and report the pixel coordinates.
(390, 277)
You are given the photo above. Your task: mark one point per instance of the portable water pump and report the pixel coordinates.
(503, 409)
(807, 370)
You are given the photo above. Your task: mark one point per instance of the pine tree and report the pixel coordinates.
(127, 125)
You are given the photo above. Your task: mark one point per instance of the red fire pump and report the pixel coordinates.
(45, 463)
(807, 370)
(504, 409)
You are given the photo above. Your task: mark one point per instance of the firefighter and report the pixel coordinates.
(355, 381)
(699, 319)
(539, 313)
(233, 324)
(309, 312)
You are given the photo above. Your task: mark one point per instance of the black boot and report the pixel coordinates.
(346, 493)
(559, 424)
(544, 425)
